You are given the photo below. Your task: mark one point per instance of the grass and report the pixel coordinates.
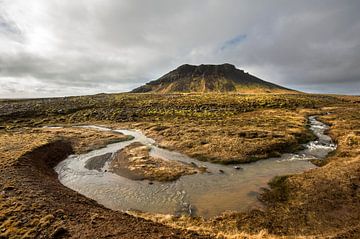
(324, 201)
(14, 144)
(204, 227)
(278, 192)
(20, 215)
(134, 162)
(151, 107)
(221, 128)
(245, 137)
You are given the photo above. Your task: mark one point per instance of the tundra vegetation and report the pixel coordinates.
(220, 128)
(135, 162)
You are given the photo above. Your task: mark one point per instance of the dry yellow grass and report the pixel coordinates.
(13, 144)
(321, 203)
(135, 162)
(245, 137)
(215, 228)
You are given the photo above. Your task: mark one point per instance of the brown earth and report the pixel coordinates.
(135, 162)
(34, 204)
(320, 203)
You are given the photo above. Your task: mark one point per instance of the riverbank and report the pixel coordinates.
(220, 128)
(134, 162)
(322, 202)
(241, 138)
(221, 188)
(34, 204)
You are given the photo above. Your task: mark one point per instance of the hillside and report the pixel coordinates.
(210, 78)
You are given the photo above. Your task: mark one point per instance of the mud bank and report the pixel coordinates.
(222, 188)
(34, 204)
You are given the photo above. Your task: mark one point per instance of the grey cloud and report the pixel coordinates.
(95, 46)
(8, 29)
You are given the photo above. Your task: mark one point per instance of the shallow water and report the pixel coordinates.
(206, 195)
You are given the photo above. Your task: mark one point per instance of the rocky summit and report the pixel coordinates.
(210, 78)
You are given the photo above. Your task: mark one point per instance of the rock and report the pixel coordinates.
(203, 168)
(221, 171)
(253, 194)
(9, 188)
(61, 111)
(237, 167)
(97, 162)
(59, 232)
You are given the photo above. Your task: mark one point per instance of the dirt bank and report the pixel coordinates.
(134, 162)
(321, 203)
(33, 203)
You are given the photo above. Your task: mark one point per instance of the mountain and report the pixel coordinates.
(210, 78)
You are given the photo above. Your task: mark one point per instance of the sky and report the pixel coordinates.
(67, 47)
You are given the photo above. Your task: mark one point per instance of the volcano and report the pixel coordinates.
(210, 78)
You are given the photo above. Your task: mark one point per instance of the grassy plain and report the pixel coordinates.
(221, 128)
(320, 203)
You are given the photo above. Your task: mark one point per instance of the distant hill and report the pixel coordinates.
(210, 78)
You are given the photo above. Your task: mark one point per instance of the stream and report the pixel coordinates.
(224, 188)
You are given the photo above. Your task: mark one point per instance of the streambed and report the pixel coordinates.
(209, 194)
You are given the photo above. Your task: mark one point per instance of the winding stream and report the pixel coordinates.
(206, 195)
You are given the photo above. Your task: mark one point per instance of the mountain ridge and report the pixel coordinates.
(210, 78)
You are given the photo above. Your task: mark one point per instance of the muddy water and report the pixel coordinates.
(224, 188)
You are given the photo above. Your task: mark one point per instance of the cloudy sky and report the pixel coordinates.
(67, 47)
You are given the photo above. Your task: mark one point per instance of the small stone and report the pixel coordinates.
(59, 232)
(61, 111)
(9, 188)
